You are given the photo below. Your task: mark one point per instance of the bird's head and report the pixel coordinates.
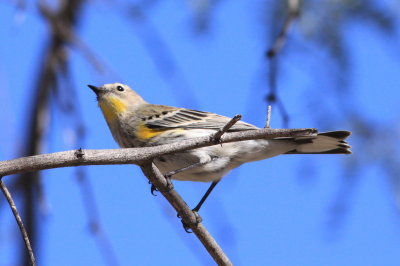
(115, 99)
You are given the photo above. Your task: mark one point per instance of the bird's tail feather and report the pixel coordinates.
(332, 142)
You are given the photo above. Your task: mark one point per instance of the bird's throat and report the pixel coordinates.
(112, 108)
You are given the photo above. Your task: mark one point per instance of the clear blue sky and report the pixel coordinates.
(273, 212)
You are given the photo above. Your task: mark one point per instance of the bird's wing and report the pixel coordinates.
(162, 117)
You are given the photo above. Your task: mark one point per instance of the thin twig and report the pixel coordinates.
(21, 226)
(272, 55)
(294, 11)
(269, 112)
(217, 136)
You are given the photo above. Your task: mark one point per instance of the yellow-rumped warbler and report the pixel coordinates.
(135, 123)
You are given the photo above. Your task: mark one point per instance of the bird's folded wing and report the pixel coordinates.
(159, 117)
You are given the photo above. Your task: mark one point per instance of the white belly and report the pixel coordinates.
(218, 160)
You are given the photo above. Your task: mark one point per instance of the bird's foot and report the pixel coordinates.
(169, 186)
(188, 227)
(152, 189)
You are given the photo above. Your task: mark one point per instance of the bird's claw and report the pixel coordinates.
(169, 186)
(152, 189)
(186, 226)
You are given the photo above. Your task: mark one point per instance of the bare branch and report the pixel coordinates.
(144, 157)
(135, 155)
(21, 226)
(189, 217)
(217, 136)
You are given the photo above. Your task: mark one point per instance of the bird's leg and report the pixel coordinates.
(180, 170)
(198, 206)
(213, 184)
(177, 171)
(203, 199)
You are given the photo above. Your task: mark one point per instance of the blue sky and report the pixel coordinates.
(274, 212)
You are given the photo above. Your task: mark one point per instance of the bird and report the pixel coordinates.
(133, 122)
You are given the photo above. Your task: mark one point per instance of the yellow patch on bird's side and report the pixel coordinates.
(144, 133)
(112, 107)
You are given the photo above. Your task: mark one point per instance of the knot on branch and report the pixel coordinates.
(270, 53)
(79, 153)
(271, 97)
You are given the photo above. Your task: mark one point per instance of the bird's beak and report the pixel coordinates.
(96, 90)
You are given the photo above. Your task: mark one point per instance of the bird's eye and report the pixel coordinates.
(120, 88)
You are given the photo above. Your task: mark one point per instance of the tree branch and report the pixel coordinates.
(144, 158)
(135, 155)
(21, 226)
(190, 218)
